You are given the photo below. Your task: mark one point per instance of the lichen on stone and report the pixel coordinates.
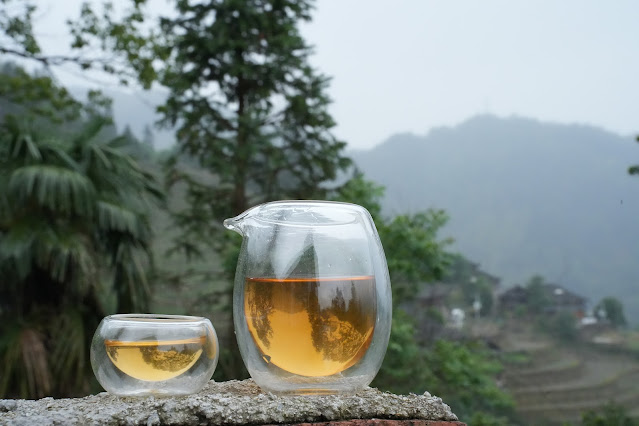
(228, 403)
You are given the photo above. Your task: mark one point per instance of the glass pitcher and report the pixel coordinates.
(312, 297)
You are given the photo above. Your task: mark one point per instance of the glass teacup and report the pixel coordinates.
(145, 354)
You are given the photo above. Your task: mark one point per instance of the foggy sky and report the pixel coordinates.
(411, 65)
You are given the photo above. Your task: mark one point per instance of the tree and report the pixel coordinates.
(611, 309)
(561, 325)
(147, 138)
(74, 246)
(251, 113)
(16, 28)
(139, 150)
(35, 94)
(610, 414)
(248, 106)
(537, 297)
(18, 39)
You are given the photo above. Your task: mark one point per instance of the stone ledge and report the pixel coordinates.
(233, 403)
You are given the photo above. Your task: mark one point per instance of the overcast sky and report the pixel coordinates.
(411, 65)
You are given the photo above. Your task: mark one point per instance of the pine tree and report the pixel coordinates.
(249, 108)
(147, 137)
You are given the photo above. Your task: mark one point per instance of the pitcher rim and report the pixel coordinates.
(351, 207)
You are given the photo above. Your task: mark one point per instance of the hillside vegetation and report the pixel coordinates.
(524, 198)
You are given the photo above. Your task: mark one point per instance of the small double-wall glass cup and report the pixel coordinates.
(145, 354)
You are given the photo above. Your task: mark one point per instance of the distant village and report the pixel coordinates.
(471, 295)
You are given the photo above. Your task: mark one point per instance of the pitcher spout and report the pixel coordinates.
(238, 223)
(235, 224)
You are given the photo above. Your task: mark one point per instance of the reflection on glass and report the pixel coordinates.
(311, 326)
(155, 360)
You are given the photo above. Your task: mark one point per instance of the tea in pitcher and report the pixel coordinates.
(311, 326)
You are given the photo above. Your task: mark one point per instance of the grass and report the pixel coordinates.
(605, 374)
(515, 359)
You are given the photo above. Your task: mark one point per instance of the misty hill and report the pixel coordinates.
(136, 109)
(525, 198)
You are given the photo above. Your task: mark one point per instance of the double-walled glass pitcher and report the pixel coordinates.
(312, 297)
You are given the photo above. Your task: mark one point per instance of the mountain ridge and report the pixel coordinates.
(524, 197)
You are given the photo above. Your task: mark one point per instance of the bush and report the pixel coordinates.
(610, 414)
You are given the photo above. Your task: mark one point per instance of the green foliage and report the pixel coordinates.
(465, 379)
(610, 414)
(17, 37)
(37, 98)
(359, 190)
(516, 358)
(612, 309)
(74, 233)
(562, 325)
(460, 373)
(16, 28)
(414, 254)
(537, 296)
(404, 369)
(24, 93)
(413, 251)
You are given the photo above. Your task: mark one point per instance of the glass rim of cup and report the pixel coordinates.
(155, 319)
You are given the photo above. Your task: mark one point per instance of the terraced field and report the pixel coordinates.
(559, 382)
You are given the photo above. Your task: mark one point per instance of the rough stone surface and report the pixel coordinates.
(226, 403)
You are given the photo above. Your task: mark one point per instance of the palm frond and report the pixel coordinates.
(112, 216)
(25, 147)
(16, 248)
(66, 258)
(68, 354)
(119, 142)
(19, 140)
(55, 150)
(126, 162)
(56, 188)
(90, 131)
(98, 158)
(130, 279)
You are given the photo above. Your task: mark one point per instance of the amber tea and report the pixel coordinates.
(311, 326)
(155, 360)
